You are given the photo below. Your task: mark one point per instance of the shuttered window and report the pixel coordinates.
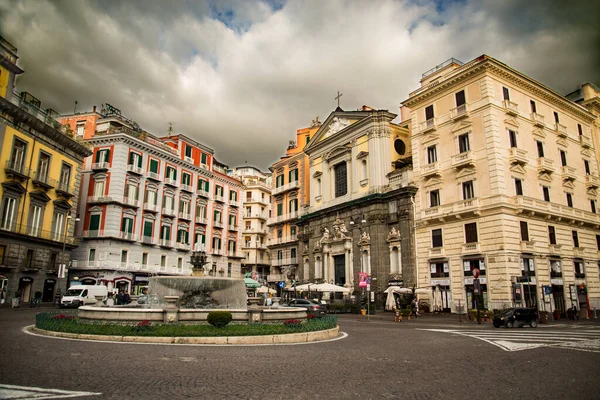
(460, 98)
(94, 222)
(471, 233)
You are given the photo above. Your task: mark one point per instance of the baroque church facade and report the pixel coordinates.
(360, 214)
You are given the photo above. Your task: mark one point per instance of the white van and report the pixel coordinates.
(82, 295)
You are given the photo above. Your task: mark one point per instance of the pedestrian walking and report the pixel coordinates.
(414, 307)
(38, 298)
(17, 300)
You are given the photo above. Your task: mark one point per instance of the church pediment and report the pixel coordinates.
(562, 142)
(539, 132)
(586, 152)
(461, 126)
(337, 152)
(592, 192)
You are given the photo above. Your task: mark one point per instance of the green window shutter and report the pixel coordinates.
(215, 216)
(279, 209)
(167, 232)
(94, 222)
(154, 166)
(130, 229)
(187, 237)
(204, 158)
(290, 174)
(131, 155)
(148, 228)
(200, 185)
(140, 161)
(203, 239)
(206, 186)
(98, 154)
(106, 155)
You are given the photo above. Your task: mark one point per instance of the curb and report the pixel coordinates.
(291, 338)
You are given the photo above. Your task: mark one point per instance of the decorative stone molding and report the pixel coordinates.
(393, 236)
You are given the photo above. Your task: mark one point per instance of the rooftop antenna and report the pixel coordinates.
(75, 109)
(170, 129)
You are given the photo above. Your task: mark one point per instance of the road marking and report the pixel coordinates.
(342, 335)
(36, 393)
(511, 340)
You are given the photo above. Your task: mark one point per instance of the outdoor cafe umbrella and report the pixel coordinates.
(264, 289)
(328, 287)
(396, 289)
(304, 287)
(251, 283)
(390, 302)
(437, 300)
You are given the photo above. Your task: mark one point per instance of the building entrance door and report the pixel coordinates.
(558, 292)
(529, 292)
(48, 293)
(339, 263)
(25, 287)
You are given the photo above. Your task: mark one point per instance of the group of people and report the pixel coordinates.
(122, 298)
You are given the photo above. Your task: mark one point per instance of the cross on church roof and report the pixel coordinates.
(338, 97)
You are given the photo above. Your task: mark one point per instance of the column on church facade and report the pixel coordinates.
(347, 266)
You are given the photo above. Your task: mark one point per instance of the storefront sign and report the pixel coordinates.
(517, 294)
(556, 281)
(441, 282)
(399, 283)
(469, 281)
(142, 278)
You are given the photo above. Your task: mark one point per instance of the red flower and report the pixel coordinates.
(143, 324)
(310, 316)
(292, 322)
(63, 316)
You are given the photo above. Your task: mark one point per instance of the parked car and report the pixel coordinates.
(516, 317)
(311, 306)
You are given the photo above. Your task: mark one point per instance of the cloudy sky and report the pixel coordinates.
(242, 76)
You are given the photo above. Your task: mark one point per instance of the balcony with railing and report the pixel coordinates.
(100, 166)
(545, 165)
(527, 246)
(463, 159)
(431, 212)
(560, 130)
(129, 267)
(471, 248)
(592, 181)
(281, 218)
(218, 224)
(127, 236)
(517, 156)
(428, 125)
(165, 243)
(585, 141)
(568, 173)
(151, 207)
(34, 232)
(17, 170)
(153, 175)
(437, 252)
(510, 108)
(97, 199)
(278, 262)
(216, 252)
(219, 197)
(148, 240)
(187, 188)
(288, 186)
(43, 181)
(64, 189)
(234, 203)
(168, 212)
(233, 227)
(171, 182)
(554, 210)
(130, 201)
(538, 120)
(183, 246)
(282, 240)
(203, 193)
(466, 205)
(185, 216)
(431, 169)
(200, 219)
(459, 112)
(135, 169)
(92, 234)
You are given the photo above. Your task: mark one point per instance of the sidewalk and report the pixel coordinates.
(451, 320)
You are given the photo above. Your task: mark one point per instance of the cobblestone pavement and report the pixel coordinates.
(379, 359)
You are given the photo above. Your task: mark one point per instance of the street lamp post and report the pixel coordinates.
(62, 270)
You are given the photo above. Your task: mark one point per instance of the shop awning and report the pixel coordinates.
(251, 283)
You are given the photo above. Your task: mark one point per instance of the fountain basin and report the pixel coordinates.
(131, 315)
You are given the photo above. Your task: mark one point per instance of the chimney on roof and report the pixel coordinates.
(94, 108)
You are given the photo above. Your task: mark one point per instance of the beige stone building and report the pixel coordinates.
(508, 180)
(257, 204)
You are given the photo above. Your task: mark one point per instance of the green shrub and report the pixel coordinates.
(219, 319)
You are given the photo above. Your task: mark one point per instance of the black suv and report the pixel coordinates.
(516, 317)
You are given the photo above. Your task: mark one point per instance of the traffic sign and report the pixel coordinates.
(476, 273)
(281, 284)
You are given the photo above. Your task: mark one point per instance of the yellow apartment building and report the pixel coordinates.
(39, 178)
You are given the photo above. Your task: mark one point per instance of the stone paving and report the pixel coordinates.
(378, 359)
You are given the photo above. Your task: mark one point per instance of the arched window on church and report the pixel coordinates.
(306, 270)
(318, 274)
(363, 171)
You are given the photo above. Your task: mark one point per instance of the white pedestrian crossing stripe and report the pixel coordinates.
(526, 339)
(35, 393)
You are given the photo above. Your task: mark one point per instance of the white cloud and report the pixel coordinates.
(243, 82)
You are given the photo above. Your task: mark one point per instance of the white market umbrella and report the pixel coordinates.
(390, 302)
(328, 287)
(264, 289)
(437, 299)
(305, 287)
(401, 290)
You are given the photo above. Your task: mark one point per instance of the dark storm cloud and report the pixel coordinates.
(241, 77)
